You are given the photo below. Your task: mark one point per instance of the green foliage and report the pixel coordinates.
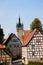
(36, 24)
(1, 35)
(35, 63)
(23, 64)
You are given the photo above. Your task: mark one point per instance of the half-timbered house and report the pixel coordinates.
(5, 56)
(32, 46)
(14, 45)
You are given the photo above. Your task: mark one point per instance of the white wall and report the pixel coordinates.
(24, 54)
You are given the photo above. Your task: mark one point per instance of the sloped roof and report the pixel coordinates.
(27, 37)
(2, 46)
(6, 40)
(19, 24)
(6, 50)
(27, 31)
(9, 37)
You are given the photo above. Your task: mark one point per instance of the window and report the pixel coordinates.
(33, 53)
(14, 45)
(10, 45)
(33, 46)
(41, 38)
(14, 40)
(38, 40)
(17, 45)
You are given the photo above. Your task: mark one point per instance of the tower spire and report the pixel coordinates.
(19, 28)
(19, 19)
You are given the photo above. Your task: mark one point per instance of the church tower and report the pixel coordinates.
(19, 28)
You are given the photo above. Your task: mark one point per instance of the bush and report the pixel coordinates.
(22, 63)
(35, 63)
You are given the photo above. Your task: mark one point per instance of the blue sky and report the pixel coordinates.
(10, 10)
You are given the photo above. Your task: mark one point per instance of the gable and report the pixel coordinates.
(38, 33)
(12, 39)
(28, 37)
(37, 38)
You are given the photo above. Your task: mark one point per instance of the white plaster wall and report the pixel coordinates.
(24, 54)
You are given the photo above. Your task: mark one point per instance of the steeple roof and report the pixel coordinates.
(19, 20)
(19, 23)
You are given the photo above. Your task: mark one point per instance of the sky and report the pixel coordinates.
(10, 10)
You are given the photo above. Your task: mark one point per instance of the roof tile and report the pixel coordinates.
(27, 37)
(2, 46)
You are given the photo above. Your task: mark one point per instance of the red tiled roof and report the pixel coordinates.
(1, 46)
(27, 37)
(27, 31)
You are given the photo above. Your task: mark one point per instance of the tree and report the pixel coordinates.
(1, 35)
(36, 24)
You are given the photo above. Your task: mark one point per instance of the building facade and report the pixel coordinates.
(5, 57)
(14, 45)
(32, 46)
